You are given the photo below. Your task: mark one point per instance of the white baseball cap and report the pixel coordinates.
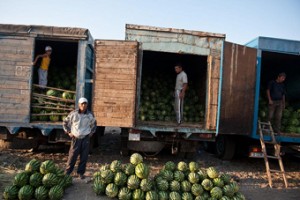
(48, 48)
(82, 100)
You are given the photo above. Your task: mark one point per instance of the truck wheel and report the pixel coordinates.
(225, 147)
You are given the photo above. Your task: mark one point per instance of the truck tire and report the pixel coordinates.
(225, 147)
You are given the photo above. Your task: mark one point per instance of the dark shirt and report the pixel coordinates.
(277, 90)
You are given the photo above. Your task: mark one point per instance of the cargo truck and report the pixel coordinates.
(130, 84)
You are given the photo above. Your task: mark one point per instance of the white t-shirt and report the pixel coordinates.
(180, 80)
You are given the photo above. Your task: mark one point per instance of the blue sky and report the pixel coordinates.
(240, 20)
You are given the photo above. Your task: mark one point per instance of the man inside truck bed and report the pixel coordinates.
(180, 88)
(43, 70)
(80, 125)
(276, 96)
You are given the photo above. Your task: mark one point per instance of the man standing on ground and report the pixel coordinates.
(276, 96)
(180, 88)
(80, 125)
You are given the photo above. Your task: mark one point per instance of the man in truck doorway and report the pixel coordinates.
(276, 96)
(180, 88)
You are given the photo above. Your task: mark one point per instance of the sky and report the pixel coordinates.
(240, 20)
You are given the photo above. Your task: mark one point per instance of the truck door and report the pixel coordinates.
(16, 56)
(238, 89)
(115, 77)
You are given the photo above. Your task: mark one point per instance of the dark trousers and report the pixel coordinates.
(78, 147)
(275, 111)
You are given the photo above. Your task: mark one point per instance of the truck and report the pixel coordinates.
(130, 84)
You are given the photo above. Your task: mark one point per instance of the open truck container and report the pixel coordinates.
(274, 56)
(71, 63)
(134, 82)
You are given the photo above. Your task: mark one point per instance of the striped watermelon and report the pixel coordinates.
(115, 166)
(175, 186)
(133, 182)
(196, 189)
(182, 166)
(136, 159)
(186, 186)
(111, 190)
(11, 192)
(49, 180)
(26, 192)
(99, 187)
(170, 165)
(146, 184)
(151, 195)
(107, 176)
(33, 166)
(138, 194)
(47, 166)
(41, 193)
(216, 192)
(35, 179)
(124, 194)
(174, 196)
(142, 170)
(162, 185)
(120, 179)
(21, 179)
(128, 169)
(162, 195)
(193, 177)
(56, 192)
(187, 196)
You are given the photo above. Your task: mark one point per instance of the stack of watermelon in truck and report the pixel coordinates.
(129, 84)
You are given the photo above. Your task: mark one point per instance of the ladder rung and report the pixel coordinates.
(272, 142)
(273, 157)
(277, 171)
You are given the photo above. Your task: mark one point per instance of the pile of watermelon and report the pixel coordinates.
(290, 122)
(185, 181)
(157, 101)
(40, 181)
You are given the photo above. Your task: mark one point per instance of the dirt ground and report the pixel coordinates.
(249, 173)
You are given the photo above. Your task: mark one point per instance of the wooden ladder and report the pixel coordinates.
(265, 129)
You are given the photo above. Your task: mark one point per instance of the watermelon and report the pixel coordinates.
(67, 95)
(26, 192)
(138, 194)
(120, 179)
(186, 186)
(56, 192)
(52, 93)
(47, 166)
(136, 159)
(207, 184)
(228, 191)
(216, 192)
(49, 180)
(33, 166)
(35, 179)
(212, 172)
(175, 186)
(104, 167)
(115, 166)
(240, 196)
(226, 178)
(187, 196)
(170, 165)
(124, 194)
(166, 174)
(235, 186)
(99, 187)
(142, 170)
(133, 182)
(11, 192)
(107, 176)
(41, 193)
(21, 179)
(162, 195)
(196, 189)
(193, 177)
(111, 190)
(151, 195)
(146, 185)
(162, 185)
(53, 117)
(179, 176)
(128, 169)
(66, 181)
(174, 196)
(218, 182)
(60, 172)
(182, 166)
(193, 166)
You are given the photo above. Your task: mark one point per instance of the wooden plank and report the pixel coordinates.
(13, 118)
(114, 91)
(19, 111)
(10, 84)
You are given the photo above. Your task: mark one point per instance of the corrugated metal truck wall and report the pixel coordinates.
(15, 78)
